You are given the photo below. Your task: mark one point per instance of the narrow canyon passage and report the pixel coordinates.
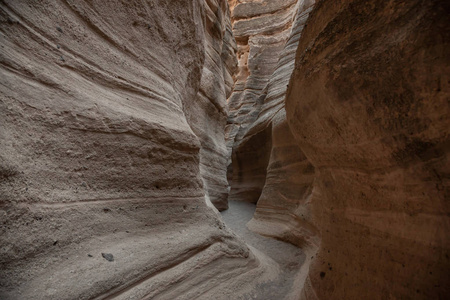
(224, 149)
(288, 257)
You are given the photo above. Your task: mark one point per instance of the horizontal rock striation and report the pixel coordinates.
(368, 106)
(261, 29)
(207, 114)
(283, 208)
(268, 166)
(102, 161)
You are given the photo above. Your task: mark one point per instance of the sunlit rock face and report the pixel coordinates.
(104, 162)
(368, 106)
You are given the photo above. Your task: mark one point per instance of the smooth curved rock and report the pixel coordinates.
(97, 153)
(368, 105)
(261, 29)
(207, 114)
(284, 206)
(267, 161)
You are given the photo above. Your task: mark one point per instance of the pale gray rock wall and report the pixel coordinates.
(207, 114)
(268, 167)
(98, 152)
(261, 29)
(284, 206)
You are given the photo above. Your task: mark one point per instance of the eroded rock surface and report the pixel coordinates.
(112, 118)
(368, 105)
(268, 166)
(207, 114)
(261, 29)
(283, 208)
(100, 153)
(289, 257)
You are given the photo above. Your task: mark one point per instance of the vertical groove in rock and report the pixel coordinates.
(283, 209)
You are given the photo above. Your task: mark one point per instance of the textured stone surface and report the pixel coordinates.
(289, 257)
(265, 147)
(283, 208)
(368, 105)
(207, 114)
(100, 153)
(261, 29)
(112, 152)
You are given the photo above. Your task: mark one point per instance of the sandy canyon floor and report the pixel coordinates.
(288, 257)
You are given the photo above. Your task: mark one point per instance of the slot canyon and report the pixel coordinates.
(224, 149)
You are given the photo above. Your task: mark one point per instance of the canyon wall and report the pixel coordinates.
(106, 110)
(207, 114)
(368, 104)
(112, 152)
(268, 167)
(284, 206)
(261, 29)
(358, 177)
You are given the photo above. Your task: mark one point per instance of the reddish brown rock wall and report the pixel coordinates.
(368, 104)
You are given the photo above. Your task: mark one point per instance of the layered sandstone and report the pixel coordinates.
(368, 106)
(268, 166)
(261, 29)
(283, 208)
(207, 114)
(103, 161)
(112, 150)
